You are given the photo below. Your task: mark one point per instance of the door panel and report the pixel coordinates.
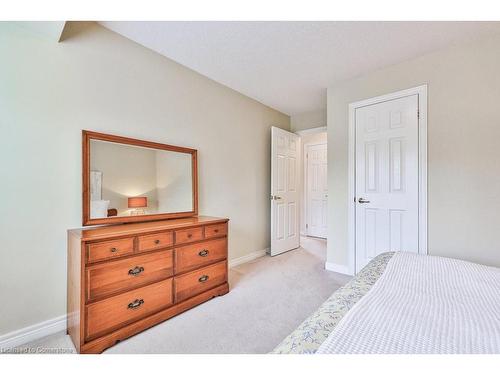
(386, 178)
(396, 218)
(292, 219)
(280, 165)
(280, 220)
(285, 155)
(316, 190)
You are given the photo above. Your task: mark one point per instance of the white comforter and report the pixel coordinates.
(424, 304)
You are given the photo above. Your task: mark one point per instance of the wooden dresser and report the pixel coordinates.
(125, 278)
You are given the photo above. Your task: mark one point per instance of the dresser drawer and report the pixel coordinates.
(198, 281)
(109, 249)
(112, 277)
(194, 256)
(215, 230)
(188, 235)
(111, 313)
(155, 241)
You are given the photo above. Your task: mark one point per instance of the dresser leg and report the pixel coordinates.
(224, 290)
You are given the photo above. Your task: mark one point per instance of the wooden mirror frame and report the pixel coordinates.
(87, 136)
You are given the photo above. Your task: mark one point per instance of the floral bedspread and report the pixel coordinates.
(308, 337)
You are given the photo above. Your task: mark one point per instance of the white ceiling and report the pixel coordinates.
(289, 65)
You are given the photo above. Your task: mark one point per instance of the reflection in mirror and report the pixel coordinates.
(128, 180)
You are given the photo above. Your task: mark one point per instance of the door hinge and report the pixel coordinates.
(418, 114)
(307, 226)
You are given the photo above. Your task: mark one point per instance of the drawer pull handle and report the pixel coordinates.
(135, 271)
(216, 231)
(203, 278)
(157, 242)
(113, 249)
(136, 304)
(190, 235)
(203, 253)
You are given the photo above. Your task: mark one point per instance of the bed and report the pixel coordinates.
(406, 303)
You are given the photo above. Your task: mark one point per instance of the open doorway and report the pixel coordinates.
(314, 191)
(299, 195)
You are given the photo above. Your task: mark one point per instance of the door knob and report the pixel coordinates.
(275, 197)
(362, 200)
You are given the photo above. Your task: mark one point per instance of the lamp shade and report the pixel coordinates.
(137, 202)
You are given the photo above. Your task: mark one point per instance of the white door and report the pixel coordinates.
(316, 190)
(285, 148)
(386, 178)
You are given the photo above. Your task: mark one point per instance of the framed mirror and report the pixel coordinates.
(129, 180)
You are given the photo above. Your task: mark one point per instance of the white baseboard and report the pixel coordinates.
(36, 331)
(339, 268)
(247, 258)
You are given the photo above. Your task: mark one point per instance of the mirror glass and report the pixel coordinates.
(127, 180)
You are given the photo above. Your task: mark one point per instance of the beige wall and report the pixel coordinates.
(463, 148)
(308, 120)
(101, 81)
(127, 171)
(174, 181)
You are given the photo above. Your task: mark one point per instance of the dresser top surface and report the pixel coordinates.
(112, 231)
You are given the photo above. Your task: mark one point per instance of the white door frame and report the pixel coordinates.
(319, 129)
(305, 191)
(421, 91)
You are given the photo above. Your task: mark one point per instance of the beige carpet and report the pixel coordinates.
(269, 298)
